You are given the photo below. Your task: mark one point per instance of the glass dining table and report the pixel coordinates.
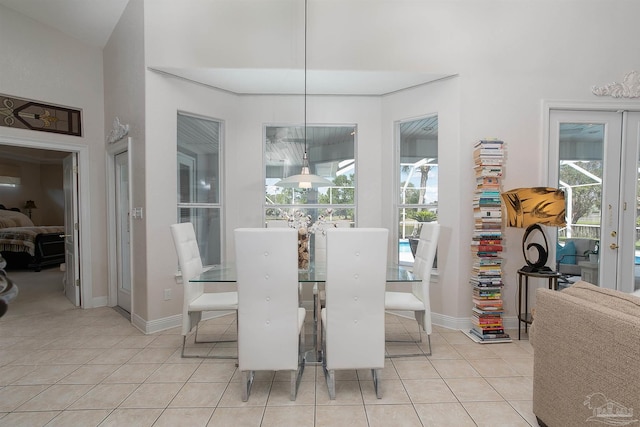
(315, 276)
(317, 273)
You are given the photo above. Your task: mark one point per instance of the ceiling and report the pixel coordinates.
(93, 21)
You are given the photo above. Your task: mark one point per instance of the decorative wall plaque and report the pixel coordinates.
(118, 131)
(629, 88)
(34, 115)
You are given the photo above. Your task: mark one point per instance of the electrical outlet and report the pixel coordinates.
(167, 294)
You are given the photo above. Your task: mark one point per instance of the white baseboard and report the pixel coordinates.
(437, 319)
(99, 302)
(456, 323)
(175, 321)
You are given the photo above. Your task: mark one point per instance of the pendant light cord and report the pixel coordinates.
(305, 77)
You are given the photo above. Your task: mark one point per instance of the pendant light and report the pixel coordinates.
(305, 179)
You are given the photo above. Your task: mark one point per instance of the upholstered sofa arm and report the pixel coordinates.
(586, 344)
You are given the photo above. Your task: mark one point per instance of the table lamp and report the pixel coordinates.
(531, 208)
(29, 206)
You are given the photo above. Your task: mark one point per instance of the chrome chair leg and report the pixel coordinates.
(377, 384)
(195, 340)
(331, 383)
(420, 321)
(247, 382)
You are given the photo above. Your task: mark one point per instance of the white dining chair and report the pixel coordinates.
(418, 299)
(270, 319)
(353, 319)
(196, 300)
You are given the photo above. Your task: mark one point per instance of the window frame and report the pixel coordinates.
(397, 170)
(203, 244)
(320, 207)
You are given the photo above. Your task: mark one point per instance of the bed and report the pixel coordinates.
(24, 244)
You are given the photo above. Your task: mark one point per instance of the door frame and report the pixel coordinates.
(84, 209)
(601, 106)
(124, 145)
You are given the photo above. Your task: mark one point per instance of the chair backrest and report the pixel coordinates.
(422, 266)
(425, 255)
(267, 278)
(320, 241)
(355, 289)
(184, 238)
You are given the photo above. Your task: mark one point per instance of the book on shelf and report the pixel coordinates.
(487, 293)
(480, 311)
(489, 142)
(487, 248)
(490, 337)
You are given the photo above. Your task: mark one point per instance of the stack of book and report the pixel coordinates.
(486, 246)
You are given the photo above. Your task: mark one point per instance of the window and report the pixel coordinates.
(199, 172)
(331, 151)
(417, 172)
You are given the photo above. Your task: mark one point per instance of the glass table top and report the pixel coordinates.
(315, 273)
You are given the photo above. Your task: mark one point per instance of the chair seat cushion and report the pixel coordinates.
(215, 301)
(402, 301)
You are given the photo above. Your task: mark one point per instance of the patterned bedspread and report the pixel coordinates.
(22, 239)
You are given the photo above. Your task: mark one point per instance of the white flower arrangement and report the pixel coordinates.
(301, 221)
(305, 226)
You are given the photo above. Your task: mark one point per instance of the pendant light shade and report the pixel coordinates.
(304, 179)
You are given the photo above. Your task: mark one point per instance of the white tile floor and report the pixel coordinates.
(74, 367)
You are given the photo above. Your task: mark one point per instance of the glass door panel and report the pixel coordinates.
(630, 214)
(586, 149)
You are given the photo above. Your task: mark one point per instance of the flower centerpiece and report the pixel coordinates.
(306, 226)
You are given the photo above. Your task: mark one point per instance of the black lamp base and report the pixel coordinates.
(535, 266)
(532, 269)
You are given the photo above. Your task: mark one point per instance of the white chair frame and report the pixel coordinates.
(418, 299)
(195, 299)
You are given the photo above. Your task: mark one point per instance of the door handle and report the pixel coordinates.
(613, 246)
(62, 236)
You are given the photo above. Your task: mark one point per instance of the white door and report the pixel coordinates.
(70, 185)
(123, 244)
(593, 156)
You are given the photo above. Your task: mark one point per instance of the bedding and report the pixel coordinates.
(24, 244)
(9, 218)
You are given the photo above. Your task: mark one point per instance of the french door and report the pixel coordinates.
(594, 158)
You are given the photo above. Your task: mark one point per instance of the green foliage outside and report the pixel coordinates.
(586, 192)
(423, 216)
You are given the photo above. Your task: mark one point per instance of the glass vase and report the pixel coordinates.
(303, 249)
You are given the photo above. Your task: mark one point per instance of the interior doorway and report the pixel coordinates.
(45, 149)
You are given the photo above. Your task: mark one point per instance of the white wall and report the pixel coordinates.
(165, 97)
(509, 57)
(441, 98)
(124, 94)
(41, 183)
(39, 63)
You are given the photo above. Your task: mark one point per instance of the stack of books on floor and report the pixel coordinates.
(487, 314)
(486, 246)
